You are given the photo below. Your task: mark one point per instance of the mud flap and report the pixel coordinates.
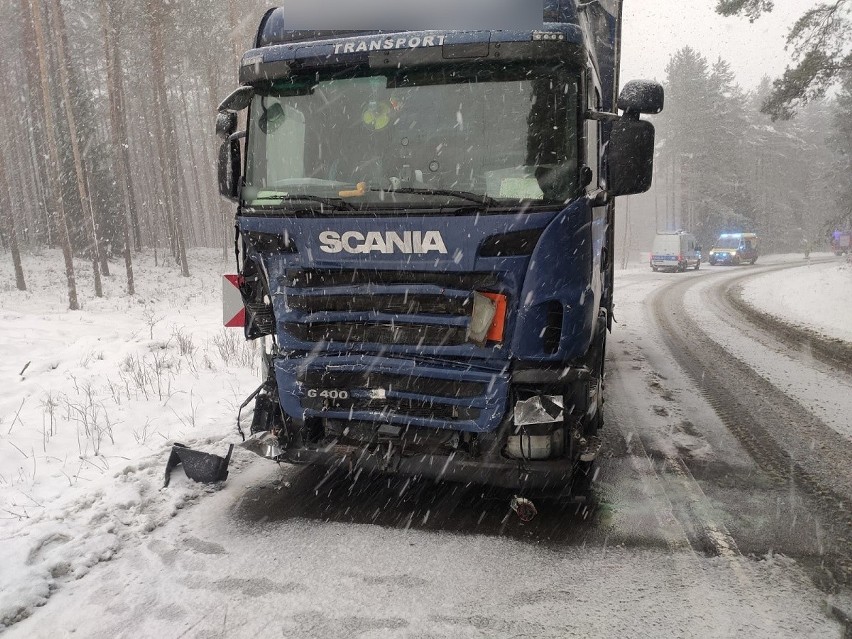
(198, 466)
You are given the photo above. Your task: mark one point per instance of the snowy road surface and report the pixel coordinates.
(718, 508)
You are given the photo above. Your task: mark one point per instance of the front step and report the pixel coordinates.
(589, 448)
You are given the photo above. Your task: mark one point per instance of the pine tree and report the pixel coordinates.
(819, 40)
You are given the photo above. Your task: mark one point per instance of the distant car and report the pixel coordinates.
(734, 248)
(841, 242)
(675, 252)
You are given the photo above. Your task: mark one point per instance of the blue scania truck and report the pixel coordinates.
(424, 239)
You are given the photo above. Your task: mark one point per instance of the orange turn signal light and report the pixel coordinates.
(498, 324)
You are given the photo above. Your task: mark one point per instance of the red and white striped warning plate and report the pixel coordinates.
(233, 310)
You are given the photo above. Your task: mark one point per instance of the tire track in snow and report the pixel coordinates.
(776, 431)
(687, 524)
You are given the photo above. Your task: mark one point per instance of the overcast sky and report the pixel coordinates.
(655, 29)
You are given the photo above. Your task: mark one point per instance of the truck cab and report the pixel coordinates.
(424, 236)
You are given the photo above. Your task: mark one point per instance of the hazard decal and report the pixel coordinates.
(233, 310)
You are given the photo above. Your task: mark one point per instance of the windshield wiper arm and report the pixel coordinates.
(332, 203)
(464, 195)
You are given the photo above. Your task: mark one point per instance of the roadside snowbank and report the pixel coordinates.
(818, 297)
(90, 403)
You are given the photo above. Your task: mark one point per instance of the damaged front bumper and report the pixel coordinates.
(455, 466)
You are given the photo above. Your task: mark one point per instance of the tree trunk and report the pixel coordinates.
(156, 25)
(35, 114)
(58, 27)
(117, 84)
(54, 169)
(11, 225)
(115, 136)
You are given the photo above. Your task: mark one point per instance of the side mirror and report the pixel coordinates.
(641, 96)
(238, 100)
(229, 169)
(630, 157)
(226, 124)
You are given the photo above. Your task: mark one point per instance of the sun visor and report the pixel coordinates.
(511, 15)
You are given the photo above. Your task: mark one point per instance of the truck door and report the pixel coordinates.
(602, 216)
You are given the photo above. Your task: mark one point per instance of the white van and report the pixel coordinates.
(675, 252)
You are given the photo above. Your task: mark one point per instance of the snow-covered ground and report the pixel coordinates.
(818, 297)
(90, 403)
(820, 390)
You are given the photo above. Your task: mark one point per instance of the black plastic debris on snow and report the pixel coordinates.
(202, 467)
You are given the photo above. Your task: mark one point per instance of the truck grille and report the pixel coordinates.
(387, 307)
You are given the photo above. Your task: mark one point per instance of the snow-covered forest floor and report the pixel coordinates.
(90, 404)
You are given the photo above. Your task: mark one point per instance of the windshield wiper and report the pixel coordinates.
(332, 203)
(464, 195)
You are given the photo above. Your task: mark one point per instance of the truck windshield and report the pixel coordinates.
(414, 139)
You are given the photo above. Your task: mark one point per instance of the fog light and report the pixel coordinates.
(541, 409)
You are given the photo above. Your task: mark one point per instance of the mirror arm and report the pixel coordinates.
(599, 197)
(239, 135)
(601, 116)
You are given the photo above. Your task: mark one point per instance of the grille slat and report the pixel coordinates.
(383, 303)
(379, 333)
(327, 278)
(398, 407)
(403, 384)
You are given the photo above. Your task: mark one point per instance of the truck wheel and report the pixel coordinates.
(697, 264)
(736, 261)
(654, 268)
(712, 262)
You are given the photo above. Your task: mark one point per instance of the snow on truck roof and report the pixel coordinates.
(279, 41)
(284, 25)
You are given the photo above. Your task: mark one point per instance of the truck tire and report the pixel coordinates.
(697, 264)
